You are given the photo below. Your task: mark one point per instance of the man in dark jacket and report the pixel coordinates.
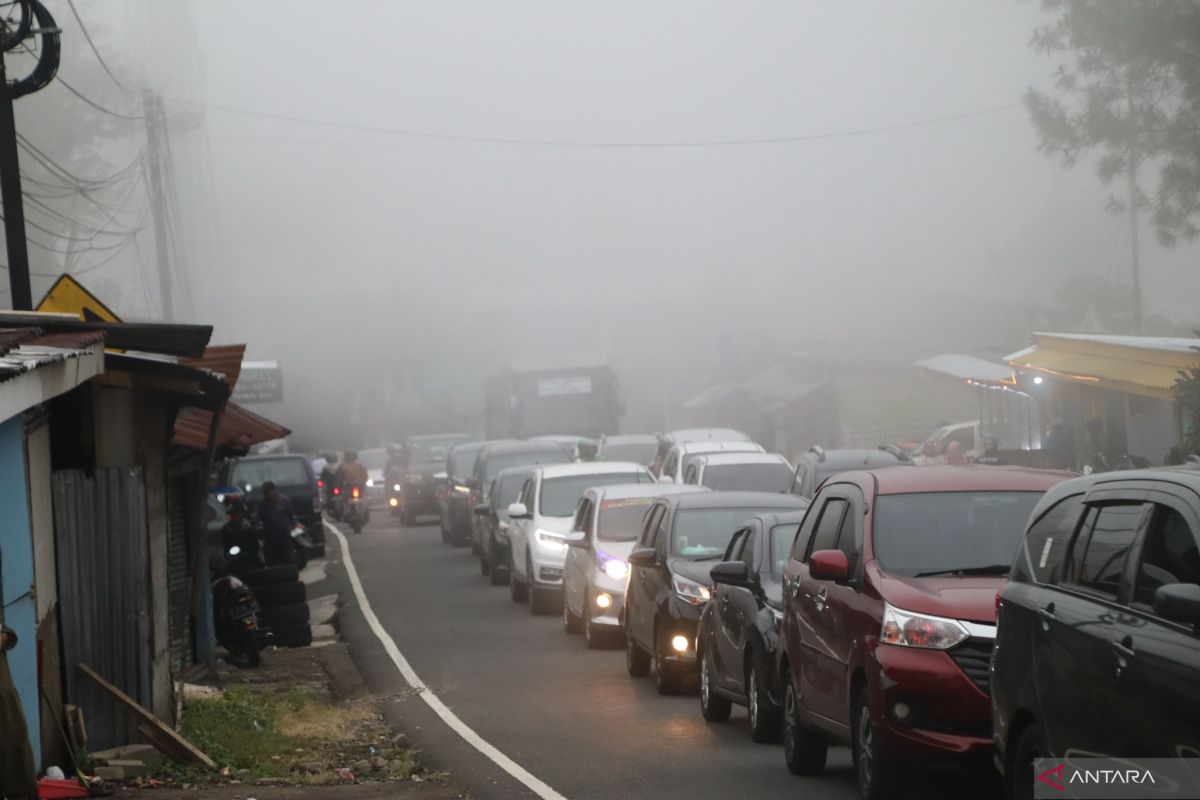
(18, 777)
(275, 514)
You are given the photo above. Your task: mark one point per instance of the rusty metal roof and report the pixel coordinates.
(239, 429)
(25, 349)
(223, 359)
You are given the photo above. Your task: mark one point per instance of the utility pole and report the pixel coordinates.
(1133, 206)
(10, 194)
(154, 152)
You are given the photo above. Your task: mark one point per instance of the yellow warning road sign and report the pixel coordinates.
(67, 295)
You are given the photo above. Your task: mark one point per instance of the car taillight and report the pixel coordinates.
(355, 492)
(337, 490)
(320, 483)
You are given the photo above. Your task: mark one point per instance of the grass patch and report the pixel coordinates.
(293, 736)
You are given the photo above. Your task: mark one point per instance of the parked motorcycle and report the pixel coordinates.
(235, 613)
(303, 548)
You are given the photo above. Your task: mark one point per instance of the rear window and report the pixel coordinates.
(561, 495)
(500, 462)
(428, 452)
(1046, 542)
(251, 475)
(621, 520)
(944, 533)
(704, 533)
(462, 462)
(638, 453)
(748, 477)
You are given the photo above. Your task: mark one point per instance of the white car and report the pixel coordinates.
(668, 440)
(607, 524)
(681, 455)
(541, 518)
(741, 472)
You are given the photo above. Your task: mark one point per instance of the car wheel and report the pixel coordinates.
(519, 592)
(764, 716)
(498, 565)
(1019, 778)
(667, 678)
(637, 660)
(803, 750)
(571, 622)
(714, 707)
(485, 568)
(877, 776)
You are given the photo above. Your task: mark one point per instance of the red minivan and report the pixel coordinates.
(890, 613)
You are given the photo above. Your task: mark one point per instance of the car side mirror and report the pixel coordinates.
(1178, 602)
(829, 565)
(518, 511)
(730, 573)
(644, 557)
(482, 510)
(577, 539)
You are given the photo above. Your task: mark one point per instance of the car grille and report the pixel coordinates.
(974, 658)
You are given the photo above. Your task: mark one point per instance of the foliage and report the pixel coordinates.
(1128, 92)
(1187, 392)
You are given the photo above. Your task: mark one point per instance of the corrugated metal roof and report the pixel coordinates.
(239, 428)
(223, 359)
(1168, 344)
(968, 368)
(1142, 365)
(24, 350)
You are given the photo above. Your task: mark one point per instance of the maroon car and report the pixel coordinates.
(890, 614)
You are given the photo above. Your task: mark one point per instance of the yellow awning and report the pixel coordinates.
(1142, 365)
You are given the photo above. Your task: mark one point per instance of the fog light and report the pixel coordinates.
(393, 502)
(901, 711)
(680, 643)
(604, 600)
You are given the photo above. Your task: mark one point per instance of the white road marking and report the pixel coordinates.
(530, 781)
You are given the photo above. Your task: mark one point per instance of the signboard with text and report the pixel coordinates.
(259, 382)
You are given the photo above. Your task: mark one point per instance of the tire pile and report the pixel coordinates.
(283, 607)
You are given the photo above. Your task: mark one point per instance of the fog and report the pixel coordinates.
(643, 180)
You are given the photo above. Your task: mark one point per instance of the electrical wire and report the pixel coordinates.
(96, 52)
(602, 144)
(96, 105)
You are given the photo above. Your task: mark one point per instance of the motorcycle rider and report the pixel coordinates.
(277, 518)
(329, 476)
(237, 532)
(350, 473)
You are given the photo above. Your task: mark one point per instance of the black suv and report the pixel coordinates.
(495, 456)
(423, 457)
(817, 464)
(683, 535)
(492, 526)
(454, 493)
(1098, 643)
(739, 628)
(292, 475)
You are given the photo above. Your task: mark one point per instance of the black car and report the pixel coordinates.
(294, 478)
(735, 644)
(682, 537)
(454, 493)
(492, 526)
(422, 459)
(1098, 645)
(497, 456)
(817, 464)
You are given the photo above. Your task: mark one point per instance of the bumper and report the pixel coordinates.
(419, 500)
(682, 619)
(600, 584)
(949, 716)
(547, 567)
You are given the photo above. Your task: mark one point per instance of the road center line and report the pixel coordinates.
(451, 719)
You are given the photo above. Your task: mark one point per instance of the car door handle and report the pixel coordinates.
(1124, 648)
(1046, 615)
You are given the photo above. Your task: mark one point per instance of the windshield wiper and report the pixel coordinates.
(991, 569)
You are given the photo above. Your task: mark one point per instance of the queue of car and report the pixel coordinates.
(918, 615)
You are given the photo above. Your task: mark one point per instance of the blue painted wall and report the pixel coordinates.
(16, 569)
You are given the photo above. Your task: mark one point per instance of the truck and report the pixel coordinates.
(572, 395)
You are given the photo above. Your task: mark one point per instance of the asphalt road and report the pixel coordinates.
(572, 717)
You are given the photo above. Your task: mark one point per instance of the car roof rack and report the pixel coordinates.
(818, 451)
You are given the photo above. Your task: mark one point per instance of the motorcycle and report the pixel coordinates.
(356, 511)
(302, 546)
(235, 613)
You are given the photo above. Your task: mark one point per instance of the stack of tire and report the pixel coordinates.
(283, 608)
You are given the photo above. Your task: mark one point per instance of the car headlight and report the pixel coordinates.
(415, 480)
(458, 487)
(396, 487)
(613, 567)
(907, 629)
(370, 483)
(551, 541)
(695, 593)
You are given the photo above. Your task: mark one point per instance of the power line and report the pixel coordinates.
(95, 51)
(600, 144)
(96, 105)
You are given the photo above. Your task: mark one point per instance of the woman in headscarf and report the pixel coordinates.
(954, 454)
(18, 777)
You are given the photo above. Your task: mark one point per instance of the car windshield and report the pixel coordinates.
(251, 475)
(950, 532)
(464, 461)
(560, 496)
(373, 459)
(503, 461)
(782, 539)
(621, 520)
(637, 452)
(705, 532)
(428, 452)
(748, 477)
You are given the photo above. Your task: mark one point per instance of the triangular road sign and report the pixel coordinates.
(68, 296)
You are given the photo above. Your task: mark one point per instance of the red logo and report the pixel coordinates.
(1051, 777)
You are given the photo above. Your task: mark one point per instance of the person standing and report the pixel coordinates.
(277, 518)
(18, 776)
